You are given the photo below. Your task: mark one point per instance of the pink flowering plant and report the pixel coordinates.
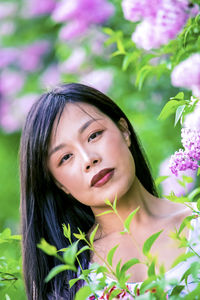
(188, 157)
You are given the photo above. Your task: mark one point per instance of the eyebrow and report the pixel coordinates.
(80, 131)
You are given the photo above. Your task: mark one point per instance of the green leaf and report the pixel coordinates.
(105, 213)
(184, 223)
(73, 281)
(118, 268)
(160, 179)
(198, 204)
(151, 269)
(120, 46)
(67, 231)
(193, 194)
(114, 293)
(47, 248)
(149, 242)
(83, 249)
(115, 203)
(129, 264)
(142, 74)
(127, 60)
(181, 258)
(179, 96)
(111, 254)
(170, 108)
(128, 220)
(108, 30)
(69, 255)
(92, 235)
(107, 201)
(198, 172)
(57, 269)
(83, 293)
(80, 235)
(179, 113)
(187, 179)
(177, 290)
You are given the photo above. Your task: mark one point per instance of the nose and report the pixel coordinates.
(90, 160)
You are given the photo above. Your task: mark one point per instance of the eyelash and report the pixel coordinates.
(94, 135)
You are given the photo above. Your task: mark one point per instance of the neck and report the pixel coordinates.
(151, 210)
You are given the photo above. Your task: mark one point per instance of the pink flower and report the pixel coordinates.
(50, 77)
(80, 15)
(187, 74)
(73, 29)
(136, 10)
(11, 82)
(7, 28)
(100, 79)
(162, 20)
(171, 183)
(39, 7)
(74, 62)
(181, 161)
(30, 57)
(191, 142)
(8, 56)
(13, 113)
(7, 9)
(192, 120)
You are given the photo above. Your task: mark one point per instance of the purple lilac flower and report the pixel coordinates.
(7, 9)
(187, 74)
(50, 77)
(192, 120)
(13, 112)
(80, 14)
(191, 142)
(8, 56)
(181, 161)
(136, 10)
(74, 62)
(171, 183)
(39, 7)
(7, 28)
(100, 79)
(11, 82)
(30, 57)
(162, 20)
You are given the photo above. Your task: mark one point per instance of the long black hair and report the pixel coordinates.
(45, 207)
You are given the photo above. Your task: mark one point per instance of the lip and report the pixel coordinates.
(102, 177)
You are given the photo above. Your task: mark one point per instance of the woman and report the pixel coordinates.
(77, 149)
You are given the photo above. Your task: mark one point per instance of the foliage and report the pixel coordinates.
(156, 286)
(11, 281)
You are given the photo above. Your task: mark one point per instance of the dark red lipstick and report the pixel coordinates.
(102, 177)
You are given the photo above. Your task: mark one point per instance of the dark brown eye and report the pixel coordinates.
(95, 135)
(64, 158)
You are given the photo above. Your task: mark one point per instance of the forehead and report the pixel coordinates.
(75, 115)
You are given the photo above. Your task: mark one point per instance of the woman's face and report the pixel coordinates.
(89, 155)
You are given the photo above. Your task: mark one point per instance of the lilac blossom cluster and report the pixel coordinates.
(189, 157)
(187, 74)
(171, 184)
(161, 20)
(79, 15)
(17, 64)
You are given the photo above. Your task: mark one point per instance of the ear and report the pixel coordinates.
(123, 126)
